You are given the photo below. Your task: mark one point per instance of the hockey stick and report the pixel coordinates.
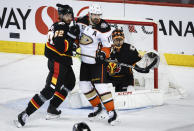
(122, 64)
(137, 68)
(106, 60)
(85, 55)
(73, 19)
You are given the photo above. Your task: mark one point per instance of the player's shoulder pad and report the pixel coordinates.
(130, 46)
(83, 20)
(58, 23)
(103, 26)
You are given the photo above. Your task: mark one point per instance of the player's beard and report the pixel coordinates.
(95, 21)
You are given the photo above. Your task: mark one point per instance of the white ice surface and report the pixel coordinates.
(21, 76)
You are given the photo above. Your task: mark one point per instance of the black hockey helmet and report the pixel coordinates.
(64, 9)
(118, 33)
(82, 126)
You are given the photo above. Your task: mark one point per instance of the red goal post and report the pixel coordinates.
(155, 38)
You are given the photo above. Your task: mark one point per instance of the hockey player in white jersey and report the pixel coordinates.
(94, 30)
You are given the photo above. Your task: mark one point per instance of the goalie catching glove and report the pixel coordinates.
(151, 59)
(141, 70)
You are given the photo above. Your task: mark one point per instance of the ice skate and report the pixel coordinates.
(97, 114)
(112, 117)
(22, 117)
(52, 113)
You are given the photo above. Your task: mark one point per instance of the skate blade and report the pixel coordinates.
(51, 116)
(17, 124)
(114, 123)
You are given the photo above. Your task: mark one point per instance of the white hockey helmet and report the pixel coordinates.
(95, 9)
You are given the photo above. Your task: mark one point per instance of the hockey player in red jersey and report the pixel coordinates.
(95, 30)
(61, 78)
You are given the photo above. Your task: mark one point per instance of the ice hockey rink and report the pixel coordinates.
(21, 76)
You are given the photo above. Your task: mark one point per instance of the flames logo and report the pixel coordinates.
(113, 68)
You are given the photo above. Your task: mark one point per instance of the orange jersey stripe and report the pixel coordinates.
(109, 105)
(94, 102)
(35, 104)
(59, 95)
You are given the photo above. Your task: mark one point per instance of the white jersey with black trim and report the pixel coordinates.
(91, 36)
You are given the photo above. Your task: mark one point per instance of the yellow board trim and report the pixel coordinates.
(179, 60)
(38, 49)
(22, 47)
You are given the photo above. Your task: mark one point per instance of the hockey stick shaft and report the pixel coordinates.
(73, 19)
(122, 64)
(85, 55)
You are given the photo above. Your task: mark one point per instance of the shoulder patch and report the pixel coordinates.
(104, 25)
(132, 47)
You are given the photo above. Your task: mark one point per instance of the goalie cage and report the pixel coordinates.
(150, 89)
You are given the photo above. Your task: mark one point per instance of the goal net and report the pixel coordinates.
(149, 89)
(157, 85)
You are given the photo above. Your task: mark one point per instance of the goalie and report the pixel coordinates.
(123, 57)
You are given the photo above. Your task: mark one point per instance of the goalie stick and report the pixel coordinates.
(137, 68)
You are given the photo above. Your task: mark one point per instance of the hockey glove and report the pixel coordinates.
(100, 57)
(74, 32)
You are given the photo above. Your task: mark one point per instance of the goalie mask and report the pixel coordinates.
(118, 39)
